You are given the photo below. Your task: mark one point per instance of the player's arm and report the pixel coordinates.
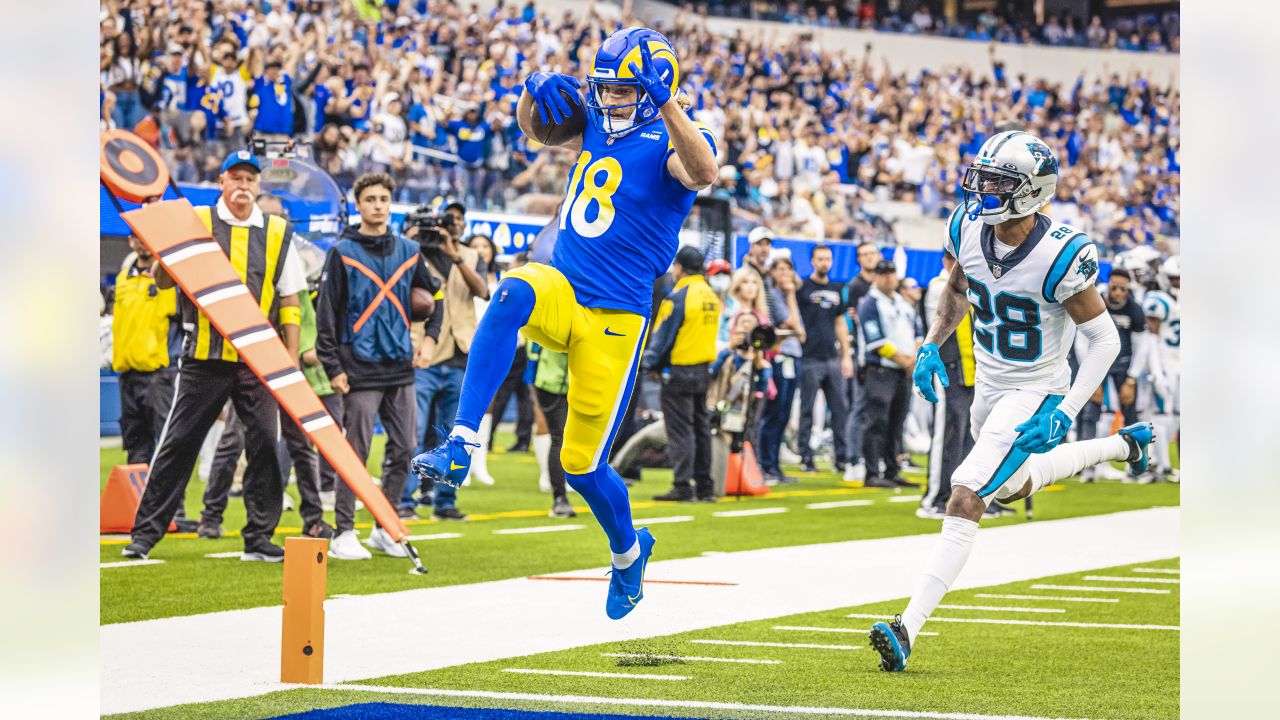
(1093, 321)
(291, 325)
(693, 164)
(163, 279)
(953, 305)
(529, 104)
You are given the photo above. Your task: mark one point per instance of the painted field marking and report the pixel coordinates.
(683, 704)
(583, 673)
(714, 583)
(749, 513)
(998, 608)
(1113, 578)
(904, 498)
(1045, 597)
(130, 563)
(839, 504)
(434, 536)
(538, 529)
(693, 658)
(218, 556)
(1159, 571)
(1089, 588)
(922, 632)
(994, 621)
(659, 520)
(749, 643)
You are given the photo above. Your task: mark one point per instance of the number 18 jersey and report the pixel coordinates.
(1021, 332)
(621, 217)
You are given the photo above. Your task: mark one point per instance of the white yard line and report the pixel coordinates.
(1090, 588)
(683, 704)
(224, 555)
(998, 608)
(995, 621)
(839, 504)
(921, 633)
(749, 513)
(581, 673)
(1045, 597)
(365, 636)
(1114, 578)
(1159, 571)
(692, 658)
(434, 536)
(538, 529)
(638, 522)
(806, 628)
(131, 563)
(753, 643)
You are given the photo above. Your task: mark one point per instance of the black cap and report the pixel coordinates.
(690, 259)
(885, 266)
(456, 204)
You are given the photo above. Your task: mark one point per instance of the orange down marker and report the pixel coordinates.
(306, 566)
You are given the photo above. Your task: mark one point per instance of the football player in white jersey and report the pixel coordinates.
(1025, 277)
(1164, 321)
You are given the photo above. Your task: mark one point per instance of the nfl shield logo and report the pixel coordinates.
(996, 271)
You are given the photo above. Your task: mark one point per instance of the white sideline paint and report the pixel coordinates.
(1000, 608)
(904, 498)
(1113, 578)
(132, 563)
(366, 637)
(434, 536)
(1159, 571)
(838, 504)
(651, 702)
(538, 529)
(753, 643)
(1045, 597)
(1089, 588)
(749, 513)
(693, 658)
(222, 555)
(581, 673)
(994, 621)
(638, 522)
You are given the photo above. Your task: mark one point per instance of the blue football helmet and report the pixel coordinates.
(612, 67)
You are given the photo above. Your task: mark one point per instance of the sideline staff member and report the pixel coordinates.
(258, 246)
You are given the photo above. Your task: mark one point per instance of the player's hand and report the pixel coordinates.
(929, 364)
(1129, 391)
(339, 384)
(546, 88)
(1043, 431)
(659, 90)
(423, 355)
(846, 367)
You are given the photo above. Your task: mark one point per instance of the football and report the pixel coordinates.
(558, 134)
(421, 304)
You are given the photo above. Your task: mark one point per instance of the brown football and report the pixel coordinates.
(558, 134)
(421, 303)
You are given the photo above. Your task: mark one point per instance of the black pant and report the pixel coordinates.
(398, 409)
(684, 409)
(556, 410)
(824, 375)
(1092, 411)
(328, 476)
(202, 389)
(952, 439)
(145, 398)
(223, 469)
(514, 384)
(888, 397)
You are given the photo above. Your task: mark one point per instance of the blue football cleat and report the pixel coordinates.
(1139, 437)
(891, 641)
(626, 587)
(448, 463)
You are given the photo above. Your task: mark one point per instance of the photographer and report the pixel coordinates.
(372, 278)
(740, 379)
(441, 361)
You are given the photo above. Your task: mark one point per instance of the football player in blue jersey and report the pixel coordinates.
(642, 160)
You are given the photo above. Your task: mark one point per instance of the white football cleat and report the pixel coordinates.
(346, 546)
(856, 472)
(380, 540)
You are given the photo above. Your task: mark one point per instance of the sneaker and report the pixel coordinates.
(346, 546)
(876, 481)
(379, 539)
(263, 551)
(448, 463)
(899, 482)
(995, 509)
(675, 495)
(626, 587)
(713, 497)
(770, 479)
(185, 525)
(1146, 478)
(1173, 475)
(406, 512)
(135, 551)
(1088, 475)
(929, 512)
(209, 531)
(562, 509)
(855, 472)
(807, 466)
(448, 514)
(1139, 437)
(1106, 471)
(520, 447)
(891, 641)
(319, 530)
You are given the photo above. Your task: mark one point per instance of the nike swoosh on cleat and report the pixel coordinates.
(607, 331)
(454, 466)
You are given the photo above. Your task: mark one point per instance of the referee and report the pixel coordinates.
(211, 371)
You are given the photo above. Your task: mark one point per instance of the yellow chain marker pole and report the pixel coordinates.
(306, 566)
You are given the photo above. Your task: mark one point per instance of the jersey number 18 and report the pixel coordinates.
(579, 199)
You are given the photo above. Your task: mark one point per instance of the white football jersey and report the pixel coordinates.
(1021, 332)
(1163, 306)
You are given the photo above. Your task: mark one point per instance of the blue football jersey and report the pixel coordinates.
(621, 218)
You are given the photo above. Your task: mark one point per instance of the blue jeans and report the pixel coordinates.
(437, 389)
(128, 111)
(773, 423)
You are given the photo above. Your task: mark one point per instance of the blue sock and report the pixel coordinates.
(492, 349)
(606, 494)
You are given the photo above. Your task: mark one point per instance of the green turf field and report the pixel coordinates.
(189, 583)
(992, 669)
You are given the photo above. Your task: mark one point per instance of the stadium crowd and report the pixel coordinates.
(426, 91)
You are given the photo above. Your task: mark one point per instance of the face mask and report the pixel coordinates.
(719, 283)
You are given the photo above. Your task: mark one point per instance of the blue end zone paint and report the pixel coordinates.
(394, 711)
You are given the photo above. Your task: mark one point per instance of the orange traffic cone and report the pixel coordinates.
(743, 475)
(119, 502)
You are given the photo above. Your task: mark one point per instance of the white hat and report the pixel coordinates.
(760, 233)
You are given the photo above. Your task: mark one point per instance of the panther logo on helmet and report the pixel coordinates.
(1009, 180)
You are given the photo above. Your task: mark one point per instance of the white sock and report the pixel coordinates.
(480, 455)
(1164, 427)
(466, 433)
(622, 561)
(542, 451)
(1070, 458)
(949, 556)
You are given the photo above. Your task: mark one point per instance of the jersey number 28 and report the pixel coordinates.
(593, 190)
(1017, 337)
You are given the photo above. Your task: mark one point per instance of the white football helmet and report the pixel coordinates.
(1170, 277)
(1014, 175)
(1138, 261)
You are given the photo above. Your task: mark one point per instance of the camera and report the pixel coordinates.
(762, 337)
(433, 228)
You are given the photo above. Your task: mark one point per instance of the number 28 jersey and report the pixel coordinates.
(1021, 332)
(621, 217)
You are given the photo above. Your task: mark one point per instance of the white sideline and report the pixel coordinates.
(693, 658)
(749, 513)
(1001, 608)
(1159, 571)
(1113, 578)
(1087, 588)
(838, 504)
(691, 704)
(904, 498)
(998, 596)
(367, 636)
(434, 536)
(640, 522)
(224, 555)
(538, 529)
(132, 563)
(753, 643)
(994, 621)
(583, 673)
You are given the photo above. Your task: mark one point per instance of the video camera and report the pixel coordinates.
(433, 228)
(762, 337)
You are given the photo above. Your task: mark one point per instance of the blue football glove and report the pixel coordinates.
(1043, 431)
(546, 88)
(659, 90)
(928, 364)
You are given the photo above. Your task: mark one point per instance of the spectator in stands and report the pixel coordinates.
(827, 359)
(889, 334)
